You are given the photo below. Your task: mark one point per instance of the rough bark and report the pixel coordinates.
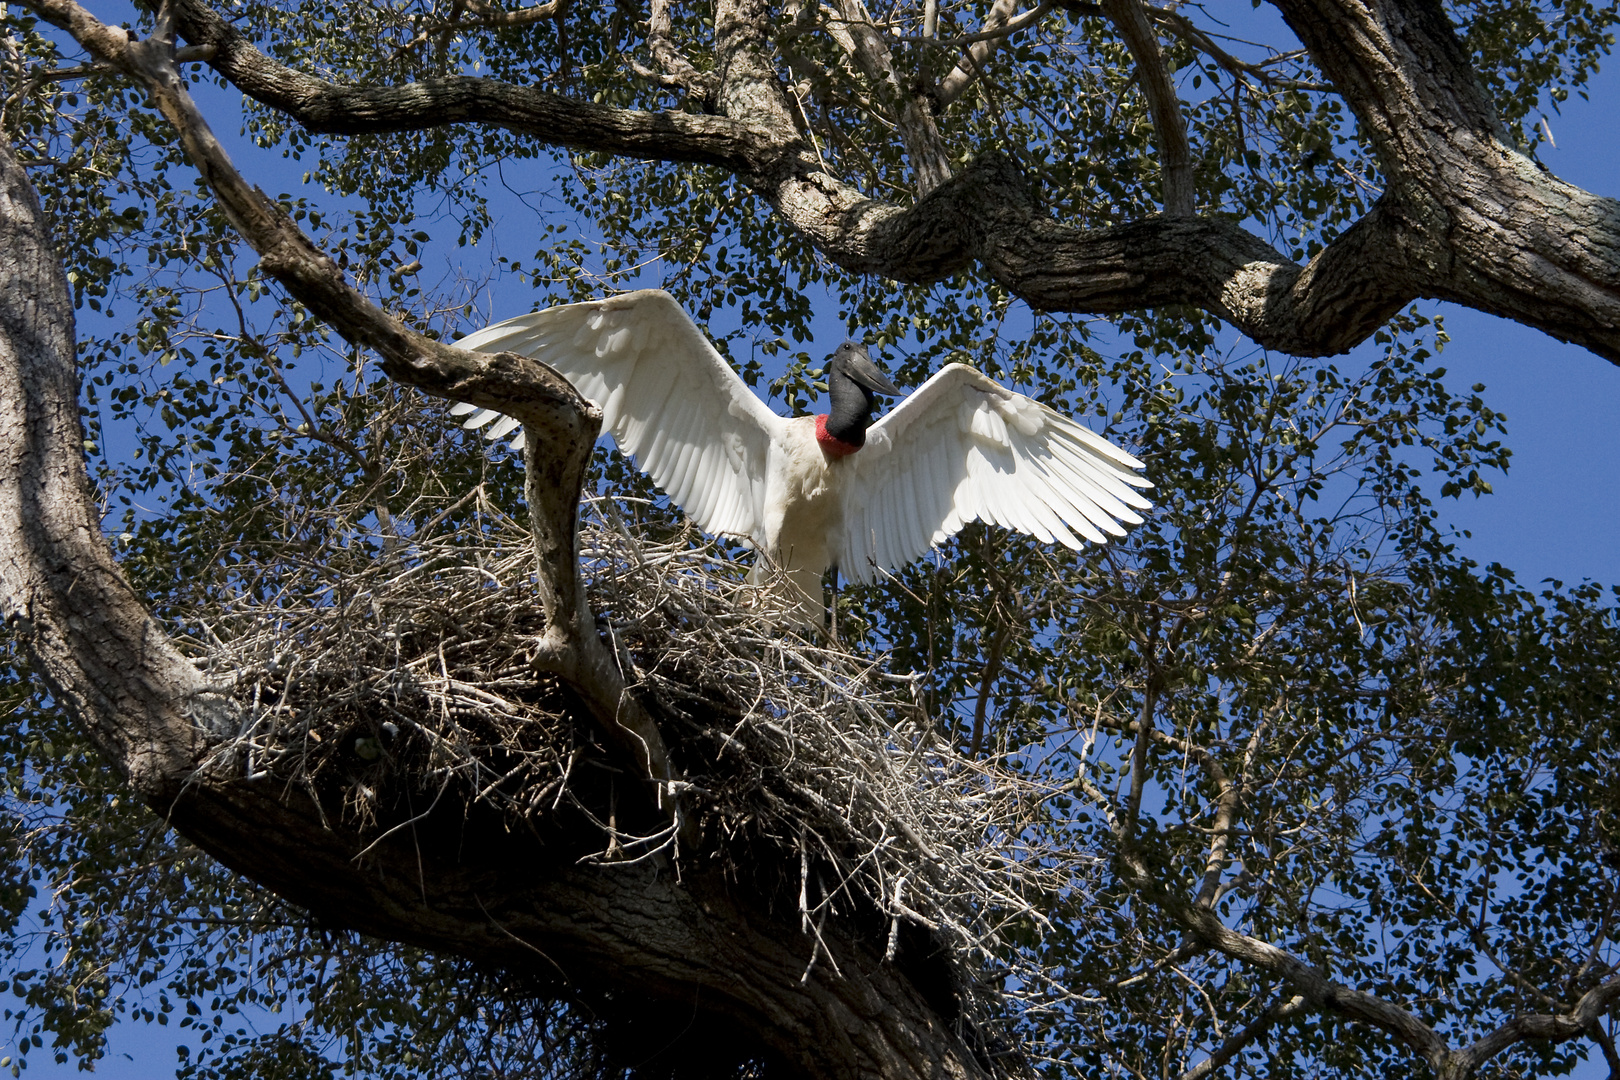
(101, 653)
(500, 897)
(1481, 224)
(1465, 217)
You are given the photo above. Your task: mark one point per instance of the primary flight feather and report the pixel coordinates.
(831, 490)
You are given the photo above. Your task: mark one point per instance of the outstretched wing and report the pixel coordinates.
(965, 448)
(667, 397)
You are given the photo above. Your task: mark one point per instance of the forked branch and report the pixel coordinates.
(1422, 238)
(997, 27)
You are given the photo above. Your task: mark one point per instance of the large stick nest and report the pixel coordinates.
(813, 770)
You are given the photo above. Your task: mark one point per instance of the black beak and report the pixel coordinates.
(858, 365)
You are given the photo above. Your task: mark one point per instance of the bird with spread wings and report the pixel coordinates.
(836, 490)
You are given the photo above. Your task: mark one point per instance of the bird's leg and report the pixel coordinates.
(832, 607)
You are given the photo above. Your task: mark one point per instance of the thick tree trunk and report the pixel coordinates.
(504, 898)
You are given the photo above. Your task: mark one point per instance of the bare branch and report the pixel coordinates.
(1187, 31)
(1228, 798)
(1164, 105)
(972, 64)
(1235, 1045)
(1139, 751)
(1017, 23)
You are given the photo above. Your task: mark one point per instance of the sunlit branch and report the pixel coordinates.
(1020, 22)
(972, 64)
(556, 417)
(491, 17)
(1164, 105)
(1487, 254)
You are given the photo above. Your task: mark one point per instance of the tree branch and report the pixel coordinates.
(1489, 227)
(971, 66)
(1316, 987)
(1175, 156)
(556, 417)
(1189, 32)
(491, 17)
(671, 60)
(1235, 1045)
(553, 119)
(1464, 217)
(1588, 1011)
(103, 657)
(1322, 992)
(912, 115)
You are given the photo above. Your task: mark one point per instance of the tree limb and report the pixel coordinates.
(557, 418)
(670, 60)
(1464, 217)
(1591, 1008)
(104, 658)
(912, 115)
(1164, 105)
(1235, 1045)
(488, 16)
(330, 108)
(971, 66)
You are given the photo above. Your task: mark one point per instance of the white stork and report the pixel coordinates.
(832, 490)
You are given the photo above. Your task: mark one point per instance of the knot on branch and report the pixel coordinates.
(958, 222)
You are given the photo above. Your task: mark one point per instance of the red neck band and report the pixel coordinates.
(830, 444)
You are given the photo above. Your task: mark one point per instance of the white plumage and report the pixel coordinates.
(962, 448)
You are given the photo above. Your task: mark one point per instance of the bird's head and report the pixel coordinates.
(851, 360)
(853, 383)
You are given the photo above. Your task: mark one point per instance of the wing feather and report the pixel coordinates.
(704, 503)
(963, 448)
(670, 401)
(666, 420)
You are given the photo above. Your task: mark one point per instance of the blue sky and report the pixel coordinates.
(1555, 513)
